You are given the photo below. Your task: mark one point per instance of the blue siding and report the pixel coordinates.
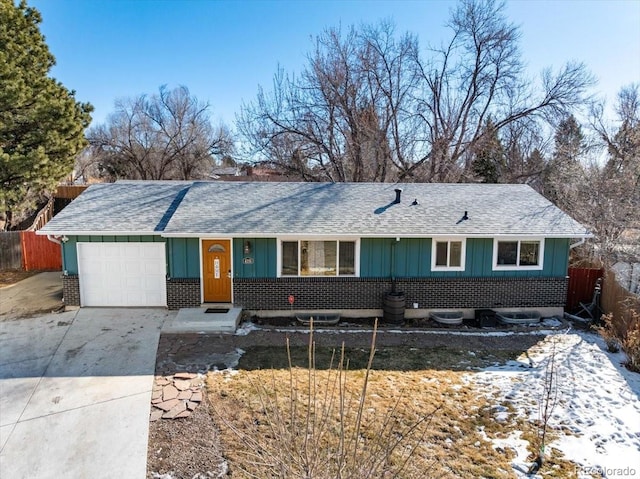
(412, 258)
(261, 261)
(70, 252)
(184, 257)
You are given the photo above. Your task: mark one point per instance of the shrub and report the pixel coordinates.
(623, 332)
(316, 429)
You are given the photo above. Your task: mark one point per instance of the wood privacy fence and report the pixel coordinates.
(38, 253)
(10, 250)
(43, 216)
(25, 250)
(69, 192)
(616, 299)
(582, 282)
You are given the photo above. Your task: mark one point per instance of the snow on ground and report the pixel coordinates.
(597, 413)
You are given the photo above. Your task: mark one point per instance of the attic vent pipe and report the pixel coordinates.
(398, 193)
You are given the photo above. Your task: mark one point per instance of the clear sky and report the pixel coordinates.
(222, 50)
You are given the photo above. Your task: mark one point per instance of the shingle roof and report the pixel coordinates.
(276, 209)
(125, 207)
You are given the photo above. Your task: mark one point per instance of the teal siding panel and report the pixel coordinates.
(556, 257)
(411, 257)
(260, 261)
(70, 256)
(176, 253)
(375, 257)
(193, 257)
(184, 257)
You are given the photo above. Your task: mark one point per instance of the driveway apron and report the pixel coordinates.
(75, 390)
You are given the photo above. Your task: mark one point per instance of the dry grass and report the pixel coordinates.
(327, 420)
(449, 446)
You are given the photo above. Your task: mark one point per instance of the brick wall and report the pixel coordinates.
(429, 293)
(183, 293)
(71, 289)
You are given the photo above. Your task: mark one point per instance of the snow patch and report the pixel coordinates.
(597, 415)
(246, 328)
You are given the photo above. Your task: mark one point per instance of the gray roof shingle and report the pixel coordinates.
(125, 207)
(340, 209)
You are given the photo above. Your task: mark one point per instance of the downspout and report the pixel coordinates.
(61, 241)
(393, 264)
(393, 267)
(53, 239)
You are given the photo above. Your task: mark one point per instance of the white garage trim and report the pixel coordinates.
(122, 274)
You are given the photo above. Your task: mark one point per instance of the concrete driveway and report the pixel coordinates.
(38, 294)
(75, 390)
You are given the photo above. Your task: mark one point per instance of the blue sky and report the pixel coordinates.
(222, 50)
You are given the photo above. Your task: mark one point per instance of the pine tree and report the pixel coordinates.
(565, 169)
(489, 155)
(41, 123)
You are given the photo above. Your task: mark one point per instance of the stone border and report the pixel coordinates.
(175, 396)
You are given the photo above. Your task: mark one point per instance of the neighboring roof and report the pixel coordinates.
(125, 207)
(341, 209)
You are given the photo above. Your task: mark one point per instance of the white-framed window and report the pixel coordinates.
(318, 257)
(448, 254)
(518, 253)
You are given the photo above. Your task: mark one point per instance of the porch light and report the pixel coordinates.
(247, 247)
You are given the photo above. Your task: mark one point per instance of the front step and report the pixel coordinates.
(197, 320)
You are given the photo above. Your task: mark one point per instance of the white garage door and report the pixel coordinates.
(122, 274)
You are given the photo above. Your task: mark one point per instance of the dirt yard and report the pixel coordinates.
(7, 278)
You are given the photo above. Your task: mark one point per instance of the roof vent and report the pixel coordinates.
(398, 193)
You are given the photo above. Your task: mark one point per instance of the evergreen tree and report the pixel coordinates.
(565, 167)
(41, 123)
(489, 155)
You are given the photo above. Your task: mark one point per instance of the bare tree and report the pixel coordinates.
(370, 107)
(614, 203)
(480, 74)
(164, 136)
(346, 118)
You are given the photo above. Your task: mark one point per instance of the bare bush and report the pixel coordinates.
(317, 429)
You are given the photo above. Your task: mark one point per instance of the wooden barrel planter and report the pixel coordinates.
(393, 308)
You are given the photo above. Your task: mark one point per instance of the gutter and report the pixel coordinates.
(578, 243)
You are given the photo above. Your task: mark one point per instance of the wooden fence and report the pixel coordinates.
(617, 300)
(43, 216)
(582, 282)
(26, 251)
(39, 254)
(10, 250)
(69, 192)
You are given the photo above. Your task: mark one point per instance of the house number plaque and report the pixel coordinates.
(216, 268)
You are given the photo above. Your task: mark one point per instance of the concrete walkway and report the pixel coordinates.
(75, 390)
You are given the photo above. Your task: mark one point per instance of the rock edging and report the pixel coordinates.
(175, 396)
